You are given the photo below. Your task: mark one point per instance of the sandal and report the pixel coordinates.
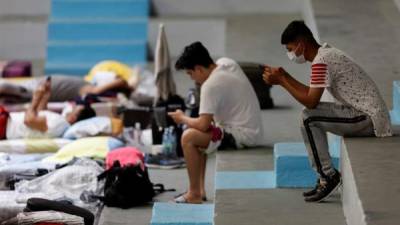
(182, 200)
(204, 198)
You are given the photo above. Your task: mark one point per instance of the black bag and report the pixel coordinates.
(161, 120)
(39, 204)
(128, 186)
(254, 73)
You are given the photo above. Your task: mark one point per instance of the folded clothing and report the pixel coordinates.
(29, 218)
(40, 204)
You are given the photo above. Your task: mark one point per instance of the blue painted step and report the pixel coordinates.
(68, 69)
(182, 214)
(395, 113)
(292, 167)
(99, 8)
(93, 52)
(98, 30)
(63, 57)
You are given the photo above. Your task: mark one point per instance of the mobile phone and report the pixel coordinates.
(262, 67)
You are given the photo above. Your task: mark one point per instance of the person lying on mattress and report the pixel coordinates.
(105, 79)
(36, 121)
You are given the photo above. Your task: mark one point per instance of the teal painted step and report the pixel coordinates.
(78, 58)
(93, 52)
(182, 214)
(292, 167)
(395, 113)
(74, 69)
(396, 96)
(395, 118)
(99, 30)
(99, 8)
(228, 180)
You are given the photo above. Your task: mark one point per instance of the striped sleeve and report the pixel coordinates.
(319, 74)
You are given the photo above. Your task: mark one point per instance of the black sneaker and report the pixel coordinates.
(325, 190)
(313, 191)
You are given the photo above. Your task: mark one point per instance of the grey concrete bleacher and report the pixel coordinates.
(366, 29)
(268, 205)
(369, 31)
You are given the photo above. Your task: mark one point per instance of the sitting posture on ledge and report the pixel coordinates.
(229, 114)
(358, 110)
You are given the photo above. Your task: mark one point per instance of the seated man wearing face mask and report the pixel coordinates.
(358, 110)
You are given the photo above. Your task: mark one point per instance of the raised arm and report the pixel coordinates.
(117, 83)
(309, 97)
(39, 102)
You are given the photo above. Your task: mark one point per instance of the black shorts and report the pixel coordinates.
(228, 142)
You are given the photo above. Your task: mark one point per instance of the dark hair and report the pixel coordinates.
(194, 54)
(295, 30)
(86, 113)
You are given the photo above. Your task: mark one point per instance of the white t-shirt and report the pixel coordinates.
(350, 85)
(228, 95)
(17, 129)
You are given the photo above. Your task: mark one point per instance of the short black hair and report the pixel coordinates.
(295, 30)
(86, 113)
(194, 54)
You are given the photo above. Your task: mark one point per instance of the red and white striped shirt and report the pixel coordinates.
(319, 73)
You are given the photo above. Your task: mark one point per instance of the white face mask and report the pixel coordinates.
(297, 59)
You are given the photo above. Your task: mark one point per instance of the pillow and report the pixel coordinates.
(92, 147)
(22, 146)
(94, 126)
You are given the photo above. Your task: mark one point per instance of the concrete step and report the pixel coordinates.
(223, 7)
(24, 7)
(244, 194)
(22, 40)
(395, 112)
(98, 30)
(274, 206)
(87, 9)
(292, 166)
(370, 188)
(181, 32)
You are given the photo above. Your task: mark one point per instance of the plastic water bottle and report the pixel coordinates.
(172, 138)
(137, 135)
(166, 142)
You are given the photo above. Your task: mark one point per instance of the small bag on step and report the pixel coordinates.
(17, 69)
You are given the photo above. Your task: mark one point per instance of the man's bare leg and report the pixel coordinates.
(192, 142)
(39, 101)
(203, 174)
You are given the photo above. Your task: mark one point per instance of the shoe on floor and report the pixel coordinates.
(313, 191)
(182, 200)
(325, 190)
(204, 198)
(161, 161)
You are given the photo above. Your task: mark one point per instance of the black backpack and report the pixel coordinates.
(128, 186)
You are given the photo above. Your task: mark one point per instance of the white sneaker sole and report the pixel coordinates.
(333, 191)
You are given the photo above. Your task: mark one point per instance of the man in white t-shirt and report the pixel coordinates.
(229, 115)
(358, 110)
(37, 122)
